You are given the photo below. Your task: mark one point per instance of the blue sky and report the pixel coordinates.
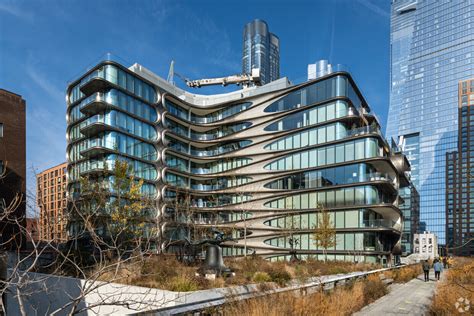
(46, 44)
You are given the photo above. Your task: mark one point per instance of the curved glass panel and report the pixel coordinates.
(116, 98)
(121, 143)
(207, 151)
(220, 132)
(317, 157)
(177, 163)
(221, 165)
(310, 137)
(119, 77)
(218, 183)
(329, 177)
(215, 133)
(320, 91)
(315, 115)
(359, 195)
(363, 241)
(124, 122)
(182, 113)
(220, 149)
(176, 180)
(199, 201)
(107, 162)
(362, 218)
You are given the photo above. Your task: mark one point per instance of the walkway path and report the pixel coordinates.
(411, 298)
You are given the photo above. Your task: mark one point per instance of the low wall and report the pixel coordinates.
(45, 294)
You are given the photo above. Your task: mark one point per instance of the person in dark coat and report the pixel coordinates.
(426, 270)
(445, 262)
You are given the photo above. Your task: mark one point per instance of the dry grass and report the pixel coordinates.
(341, 301)
(165, 272)
(404, 274)
(457, 284)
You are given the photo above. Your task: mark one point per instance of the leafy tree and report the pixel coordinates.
(324, 235)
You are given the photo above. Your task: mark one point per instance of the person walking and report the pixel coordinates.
(445, 262)
(438, 267)
(426, 270)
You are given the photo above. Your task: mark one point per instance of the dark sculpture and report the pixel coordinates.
(214, 263)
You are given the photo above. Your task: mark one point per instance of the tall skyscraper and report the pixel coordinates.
(257, 164)
(51, 196)
(12, 168)
(432, 49)
(460, 179)
(261, 49)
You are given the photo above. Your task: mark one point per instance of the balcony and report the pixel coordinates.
(94, 82)
(364, 131)
(95, 151)
(93, 104)
(207, 187)
(94, 128)
(380, 223)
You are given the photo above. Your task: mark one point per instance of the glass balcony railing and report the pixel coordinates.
(379, 176)
(363, 130)
(376, 223)
(207, 187)
(200, 171)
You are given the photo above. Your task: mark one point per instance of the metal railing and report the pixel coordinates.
(196, 302)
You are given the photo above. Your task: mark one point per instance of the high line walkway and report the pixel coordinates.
(411, 298)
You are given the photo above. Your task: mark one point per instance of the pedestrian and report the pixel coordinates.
(445, 262)
(438, 267)
(426, 270)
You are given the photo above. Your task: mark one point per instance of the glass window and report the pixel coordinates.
(352, 219)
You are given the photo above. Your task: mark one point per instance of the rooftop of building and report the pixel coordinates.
(59, 166)
(209, 100)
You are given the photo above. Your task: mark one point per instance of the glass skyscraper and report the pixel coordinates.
(459, 175)
(261, 49)
(432, 49)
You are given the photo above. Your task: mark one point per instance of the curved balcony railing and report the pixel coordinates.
(207, 187)
(376, 223)
(363, 131)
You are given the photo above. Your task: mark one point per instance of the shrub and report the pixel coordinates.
(373, 289)
(260, 277)
(281, 277)
(456, 287)
(183, 284)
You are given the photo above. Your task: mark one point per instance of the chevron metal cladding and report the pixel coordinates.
(260, 161)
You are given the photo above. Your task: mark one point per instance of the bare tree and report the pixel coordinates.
(114, 232)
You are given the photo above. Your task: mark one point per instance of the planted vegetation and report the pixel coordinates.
(455, 292)
(165, 272)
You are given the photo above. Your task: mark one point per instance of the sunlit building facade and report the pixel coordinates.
(254, 163)
(51, 200)
(432, 49)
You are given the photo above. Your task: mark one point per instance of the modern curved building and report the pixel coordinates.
(258, 162)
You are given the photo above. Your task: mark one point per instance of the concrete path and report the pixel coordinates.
(411, 298)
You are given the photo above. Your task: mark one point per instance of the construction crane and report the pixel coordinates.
(244, 80)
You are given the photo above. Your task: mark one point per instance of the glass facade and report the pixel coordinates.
(112, 117)
(460, 180)
(432, 49)
(261, 49)
(243, 162)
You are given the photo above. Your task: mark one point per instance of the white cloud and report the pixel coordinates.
(374, 8)
(16, 11)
